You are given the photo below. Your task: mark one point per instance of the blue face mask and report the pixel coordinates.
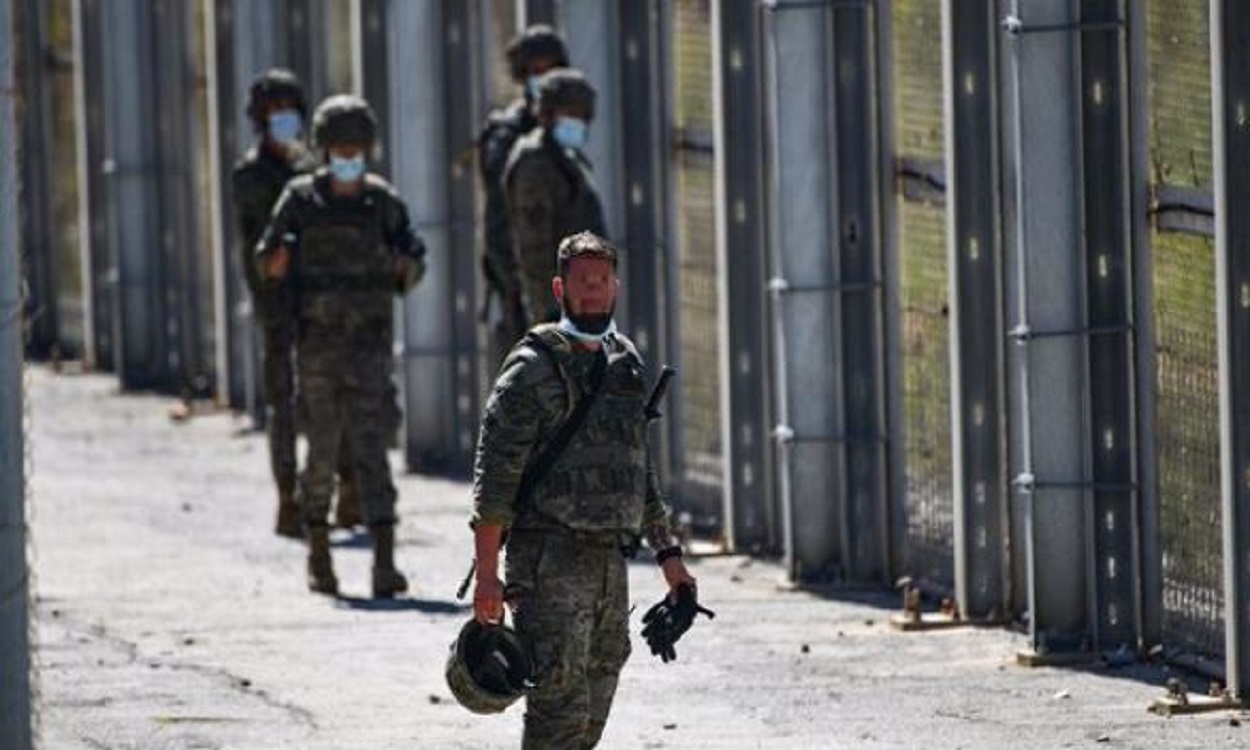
(570, 132)
(532, 86)
(285, 125)
(347, 170)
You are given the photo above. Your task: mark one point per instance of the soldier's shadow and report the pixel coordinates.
(400, 604)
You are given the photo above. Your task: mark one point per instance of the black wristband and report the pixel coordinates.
(661, 556)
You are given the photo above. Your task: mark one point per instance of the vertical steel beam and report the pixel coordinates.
(36, 219)
(590, 29)
(1150, 557)
(1230, 36)
(16, 708)
(303, 42)
(177, 143)
(1045, 289)
(975, 251)
(811, 421)
(857, 240)
(132, 166)
(97, 264)
(244, 40)
(462, 75)
(537, 11)
(1109, 319)
(749, 518)
(369, 56)
(639, 234)
(420, 159)
(828, 318)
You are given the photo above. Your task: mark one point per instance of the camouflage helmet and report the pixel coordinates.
(274, 85)
(344, 119)
(566, 87)
(537, 41)
(489, 667)
(584, 245)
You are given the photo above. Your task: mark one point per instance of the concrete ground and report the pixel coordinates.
(169, 616)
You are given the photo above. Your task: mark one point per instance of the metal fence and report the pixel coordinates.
(940, 255)
(693, 263)
(925, 314)
(1178, 49)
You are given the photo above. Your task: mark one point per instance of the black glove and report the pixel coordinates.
(666, 622)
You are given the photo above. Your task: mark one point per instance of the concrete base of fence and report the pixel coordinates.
(1179, 702)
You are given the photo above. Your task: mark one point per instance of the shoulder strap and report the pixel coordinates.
(538, 468)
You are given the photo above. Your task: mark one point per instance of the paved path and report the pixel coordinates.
(170, 617)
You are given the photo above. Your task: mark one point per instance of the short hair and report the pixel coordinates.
(584, 245)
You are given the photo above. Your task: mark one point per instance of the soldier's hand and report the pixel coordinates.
(676, 574)
(488, 599)
(277, 263)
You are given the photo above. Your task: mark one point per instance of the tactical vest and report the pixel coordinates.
(345, 279)
(599, 482)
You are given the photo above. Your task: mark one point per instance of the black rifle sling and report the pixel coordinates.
(537, 469)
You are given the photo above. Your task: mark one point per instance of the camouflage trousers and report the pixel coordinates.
(537, 271)
(349, 401)
(571, 602)
(278, 373)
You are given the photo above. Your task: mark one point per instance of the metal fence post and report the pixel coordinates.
(131, 166)
(40, 266)
(975, 252)
(16, 710)
(828, 288)
(640, 232)
(749, 518)
(98, 289)
(420, 161)
(1230, 30)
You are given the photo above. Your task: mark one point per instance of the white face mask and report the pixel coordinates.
(567, 325)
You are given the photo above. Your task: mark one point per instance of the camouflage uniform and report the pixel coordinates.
(503, 128)
(343, 273)
(565, 571)
(258, 181)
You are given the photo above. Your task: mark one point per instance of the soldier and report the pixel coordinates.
(531, 53)
(344, 238)
(550, 190)
(565, 567)
(277, 110)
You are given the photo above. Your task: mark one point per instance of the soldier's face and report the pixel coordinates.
(539, 65)
(588, 288)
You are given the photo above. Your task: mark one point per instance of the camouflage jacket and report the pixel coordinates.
(551, 194)
(349, 257)
(257, 181)
(605, 480)
(503, 127)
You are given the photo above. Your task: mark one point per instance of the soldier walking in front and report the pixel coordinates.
(568, 534)
(277, 110)
(343, 237)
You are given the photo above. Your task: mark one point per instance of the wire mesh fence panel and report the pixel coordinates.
(699, 482)
(928, 554)
(1188, 442)
(1184, 316)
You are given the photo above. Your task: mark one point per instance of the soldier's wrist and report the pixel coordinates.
(665, 554)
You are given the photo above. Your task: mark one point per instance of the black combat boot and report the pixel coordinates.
(321, 578)
(387, 581)
(347, 512)
(288, 524)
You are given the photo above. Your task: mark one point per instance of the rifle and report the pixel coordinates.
(651, 412)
